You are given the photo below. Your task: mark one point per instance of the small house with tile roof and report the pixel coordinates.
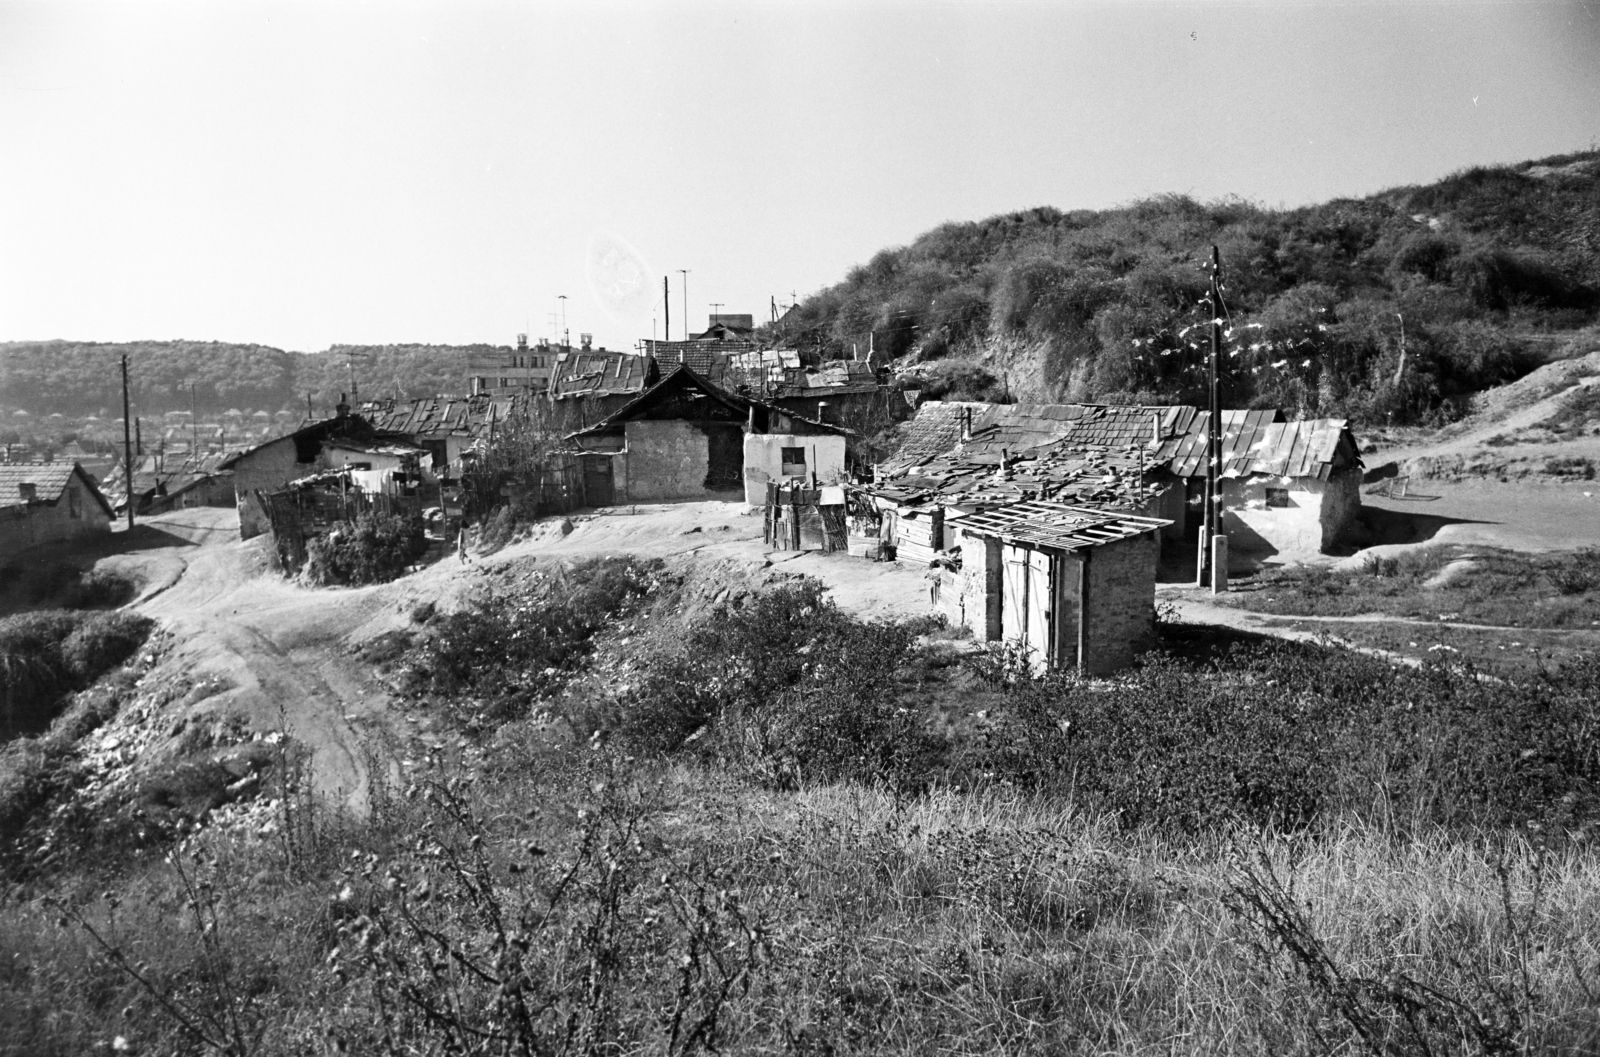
(48, 503)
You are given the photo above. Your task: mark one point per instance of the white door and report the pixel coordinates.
(1025, 602)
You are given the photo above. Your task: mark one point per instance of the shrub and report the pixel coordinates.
(495, 660)
(788, 688)
(44, 656)
(372, 549)
(1577, 573)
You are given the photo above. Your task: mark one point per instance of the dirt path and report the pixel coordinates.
(1192, 607)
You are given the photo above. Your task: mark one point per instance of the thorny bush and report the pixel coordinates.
(475, 943)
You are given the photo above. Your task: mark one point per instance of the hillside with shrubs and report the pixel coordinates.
(1394, 307)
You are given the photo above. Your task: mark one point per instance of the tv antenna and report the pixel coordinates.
(685, 273)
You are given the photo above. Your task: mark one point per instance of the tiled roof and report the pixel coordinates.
(48, 479)
(598, 374)
(706, 357)
(935, 429)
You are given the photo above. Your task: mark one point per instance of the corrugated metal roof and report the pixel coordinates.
(1255, 442)
(438, 416)
(1057, 525)
(592, 373)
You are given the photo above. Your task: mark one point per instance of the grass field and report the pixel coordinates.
(1474, 585)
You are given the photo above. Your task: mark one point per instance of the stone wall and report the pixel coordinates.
(1121, 605)
(268, 469)
(974, 602)
(668, 459)
(1341, 505)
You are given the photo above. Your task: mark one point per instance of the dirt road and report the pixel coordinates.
(267, 654)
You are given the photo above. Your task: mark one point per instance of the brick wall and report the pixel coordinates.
(1121, 609)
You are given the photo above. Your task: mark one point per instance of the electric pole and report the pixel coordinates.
(666, 307)
(1215, 544)
(127, 441)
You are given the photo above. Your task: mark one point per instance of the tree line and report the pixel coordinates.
(83, 378)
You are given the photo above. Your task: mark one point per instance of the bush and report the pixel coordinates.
(45, 656)
(789, 689)
(372, 549)
(495, 660)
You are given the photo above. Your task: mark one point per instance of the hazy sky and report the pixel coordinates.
(302, 174)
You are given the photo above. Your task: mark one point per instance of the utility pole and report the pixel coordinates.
(685, 273)
(666, 307)
(566, 339)
(1214, 557)
(127, 441)
(194, 432)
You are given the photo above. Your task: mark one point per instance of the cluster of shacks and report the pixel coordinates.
(1042, 524)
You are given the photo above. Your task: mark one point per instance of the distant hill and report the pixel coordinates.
(80, 377)
(1396, 304)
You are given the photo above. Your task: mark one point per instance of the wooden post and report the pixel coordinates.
(127, 441)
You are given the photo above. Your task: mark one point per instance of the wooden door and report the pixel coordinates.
(1026, 612)
(599, 486)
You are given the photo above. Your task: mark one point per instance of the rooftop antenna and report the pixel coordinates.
(685, 273)
(565, 339)
(714, 306)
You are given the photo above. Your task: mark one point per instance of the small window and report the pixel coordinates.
(1277, 497)
(793, 462)
(29, 492)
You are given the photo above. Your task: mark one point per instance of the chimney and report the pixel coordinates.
(343, 408)
(966, 424)
(586, 340)
(522, 343)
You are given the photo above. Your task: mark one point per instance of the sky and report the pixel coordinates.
(300, 174)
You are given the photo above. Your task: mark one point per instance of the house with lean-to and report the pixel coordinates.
(270, 467)
(48, 503)
(685, 438)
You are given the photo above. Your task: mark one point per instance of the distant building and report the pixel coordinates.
(48, 503)
(523, 369)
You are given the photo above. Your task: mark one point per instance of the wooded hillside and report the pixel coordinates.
(82, 377)
(1398, 304)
